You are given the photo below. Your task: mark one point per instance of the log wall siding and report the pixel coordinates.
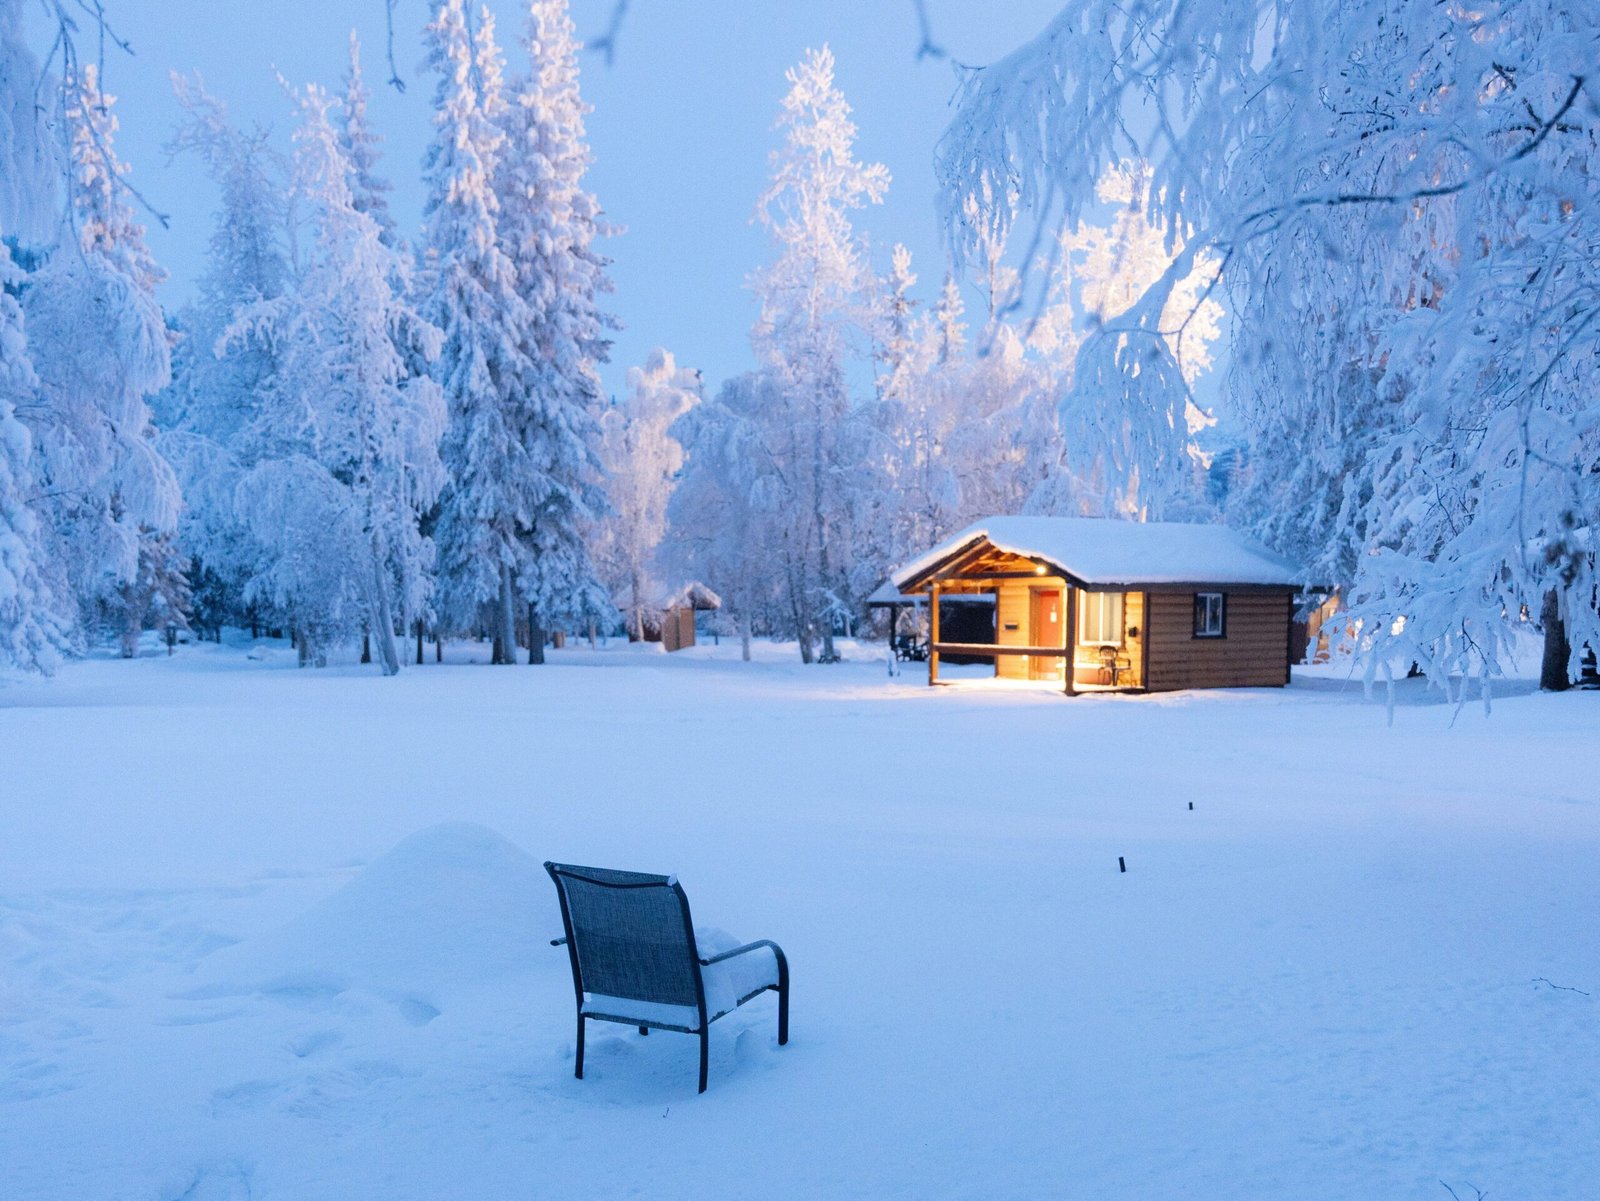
(1254, 654)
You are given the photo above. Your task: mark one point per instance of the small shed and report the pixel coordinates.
(1091, 604)
(677, 615)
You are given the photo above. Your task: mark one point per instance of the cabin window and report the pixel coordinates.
(1210, 615)
(1100, 618)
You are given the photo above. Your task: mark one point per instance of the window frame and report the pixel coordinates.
(1120, 624)
(1202, 615)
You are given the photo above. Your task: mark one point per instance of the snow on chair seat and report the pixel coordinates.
(637, 959)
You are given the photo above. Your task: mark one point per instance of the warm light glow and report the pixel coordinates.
(1039, 570)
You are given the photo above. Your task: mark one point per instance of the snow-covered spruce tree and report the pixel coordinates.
(31, 635)
(472, 297)
(355, 437)
(100, 346)
(369, 191)
(547, 226)
(642, 461)
(1402, 200)
(32, 630)
(210, 416)
(812, 299)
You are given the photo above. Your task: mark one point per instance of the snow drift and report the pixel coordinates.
(450, 905)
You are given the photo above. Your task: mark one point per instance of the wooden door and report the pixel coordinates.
(1045, 629)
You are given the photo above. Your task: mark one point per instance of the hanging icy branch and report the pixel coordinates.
(64, 47)
(395, 81)
(606, 43)
(927, 47)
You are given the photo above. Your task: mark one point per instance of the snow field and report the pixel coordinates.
(272, 933)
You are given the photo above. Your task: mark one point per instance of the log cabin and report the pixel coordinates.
(1094, 605)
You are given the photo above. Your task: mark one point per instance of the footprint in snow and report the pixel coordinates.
(216, 1182)
(315, 1042)
(248, 1095)
(416, 1011)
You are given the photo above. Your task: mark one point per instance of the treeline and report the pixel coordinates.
(346, 434)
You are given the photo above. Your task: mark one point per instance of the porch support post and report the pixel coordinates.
(1070, 639)
(933, 634)
(1144, 645)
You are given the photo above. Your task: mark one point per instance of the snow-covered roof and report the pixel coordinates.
(1100, 551)
(694, 595)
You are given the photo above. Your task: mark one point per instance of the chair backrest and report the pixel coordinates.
(629, 934)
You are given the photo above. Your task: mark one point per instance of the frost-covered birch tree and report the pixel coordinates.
(641, 460)
(728, 515)
(813, 308)
(100, 347)
(1401, 201)
(915, 493)
(353, 436)
(210, 416)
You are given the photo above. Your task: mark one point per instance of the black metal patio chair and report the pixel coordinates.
(635, 959)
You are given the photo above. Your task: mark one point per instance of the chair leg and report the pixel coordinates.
(705, 1055)
(643, 1030)
(783, 1014)
(579, 1070)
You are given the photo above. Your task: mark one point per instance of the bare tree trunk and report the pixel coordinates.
(366, 646)
(506, 619)
(419, 642)
(797, 608)
(829, 655)
(132, 625)
(438, 647)
(591, 633)
(535, 637)
(383, 621)
(302, 648)
(1553, 675)
(744, 637)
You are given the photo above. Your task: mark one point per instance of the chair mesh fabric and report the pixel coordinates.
(630, 940)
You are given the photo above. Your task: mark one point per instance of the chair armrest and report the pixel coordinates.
(750, 946)
(558, 942)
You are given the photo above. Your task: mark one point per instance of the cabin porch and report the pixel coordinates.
(1043, 622)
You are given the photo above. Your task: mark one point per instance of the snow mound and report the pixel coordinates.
(450, 905)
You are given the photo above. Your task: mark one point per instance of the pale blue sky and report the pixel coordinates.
(681, 129)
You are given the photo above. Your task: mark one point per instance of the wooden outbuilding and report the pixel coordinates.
(677, 615)
(1098, 605)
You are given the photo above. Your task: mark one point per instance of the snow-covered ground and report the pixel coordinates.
(280, 934)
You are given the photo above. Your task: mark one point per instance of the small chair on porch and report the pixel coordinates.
(1114, 664)
(636, 960)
